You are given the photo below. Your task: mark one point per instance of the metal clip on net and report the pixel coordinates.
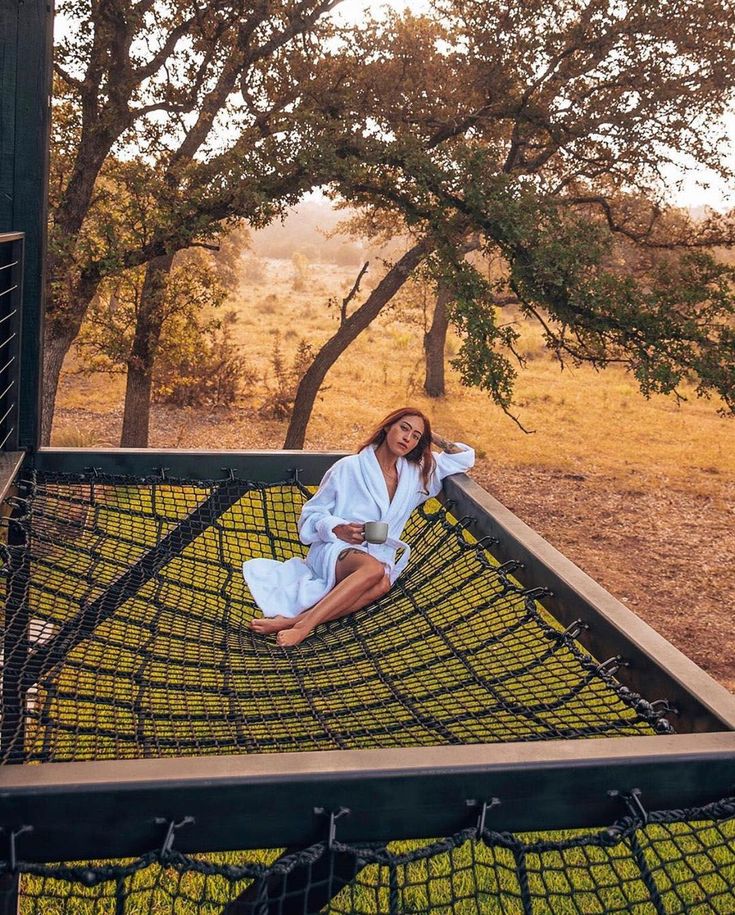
(168, 841)
(632, 801)
(484, 807)
(334, 815)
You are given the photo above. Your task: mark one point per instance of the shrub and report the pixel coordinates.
(201, 364)
(301, 274)
(286, 379)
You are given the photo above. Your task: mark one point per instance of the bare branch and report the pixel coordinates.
(67, 77)
(171, 107)
(300, 23)
(515, 419)
(458, 127)
(203, 244)
(164, 52)
(352, 293)
(643, 238)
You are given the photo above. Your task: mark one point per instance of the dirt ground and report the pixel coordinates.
(667, 553)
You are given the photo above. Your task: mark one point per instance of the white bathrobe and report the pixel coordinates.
(352, 490)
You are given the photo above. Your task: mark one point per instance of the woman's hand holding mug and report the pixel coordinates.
(371, 532)
(350, 533)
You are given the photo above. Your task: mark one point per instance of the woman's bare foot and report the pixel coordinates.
(287, 638)
(269, 624)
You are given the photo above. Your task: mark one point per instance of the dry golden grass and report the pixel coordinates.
(580, 419)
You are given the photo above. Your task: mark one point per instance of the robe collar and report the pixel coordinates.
(376, 484)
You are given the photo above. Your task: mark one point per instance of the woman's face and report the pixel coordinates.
(403, 436)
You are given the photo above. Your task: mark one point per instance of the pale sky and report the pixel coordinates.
(353, 9)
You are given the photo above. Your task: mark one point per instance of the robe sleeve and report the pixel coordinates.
(447, 464)
(317, 520)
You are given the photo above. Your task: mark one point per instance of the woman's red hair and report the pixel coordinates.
(421, 454)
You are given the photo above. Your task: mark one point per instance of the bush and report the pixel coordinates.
(201, 364)
(282, 394)
(302, 273)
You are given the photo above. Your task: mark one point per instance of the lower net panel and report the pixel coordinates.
(138, 645)
(680, 861)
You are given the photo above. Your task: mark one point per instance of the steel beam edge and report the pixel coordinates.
(263, 466)
(10, 464)
(269, 800)
(655, 668)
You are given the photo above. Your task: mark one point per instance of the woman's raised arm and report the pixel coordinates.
(455, 457)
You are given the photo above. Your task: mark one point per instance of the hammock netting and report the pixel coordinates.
(139, 639)
(678, 862)
(128, 622)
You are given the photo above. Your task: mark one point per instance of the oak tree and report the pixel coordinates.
(552, 140)
(190, 91)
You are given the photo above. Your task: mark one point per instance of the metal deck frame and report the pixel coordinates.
(269, 800)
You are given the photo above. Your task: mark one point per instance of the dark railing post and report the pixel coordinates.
(16, 644)
(10, 894)
(26, 31)
(12, 245)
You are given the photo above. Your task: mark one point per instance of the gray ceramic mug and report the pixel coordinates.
(376, 531)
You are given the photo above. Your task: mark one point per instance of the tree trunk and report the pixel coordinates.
(346, 334)
(136, 416)
(55, 347)
(61, 328)
(434, 343)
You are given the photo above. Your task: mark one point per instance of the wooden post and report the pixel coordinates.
(25, 104)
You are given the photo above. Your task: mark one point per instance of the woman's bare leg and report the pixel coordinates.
(349, 561)
(361, 579)
(269, 624)
(380, 590)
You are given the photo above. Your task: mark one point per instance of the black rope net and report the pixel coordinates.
(666, 863)
(127, 636)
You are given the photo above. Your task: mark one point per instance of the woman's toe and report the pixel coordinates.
(288, 637)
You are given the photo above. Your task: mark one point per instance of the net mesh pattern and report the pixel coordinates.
(127, 619)
(675, 862)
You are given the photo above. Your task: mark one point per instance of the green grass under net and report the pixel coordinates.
(681, 862)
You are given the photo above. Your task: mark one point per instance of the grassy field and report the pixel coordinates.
(577, 417)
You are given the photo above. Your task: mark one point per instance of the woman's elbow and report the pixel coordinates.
(306, 534)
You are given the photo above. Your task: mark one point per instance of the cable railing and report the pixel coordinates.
(11, 297)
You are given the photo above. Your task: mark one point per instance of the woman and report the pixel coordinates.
(392, 473)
